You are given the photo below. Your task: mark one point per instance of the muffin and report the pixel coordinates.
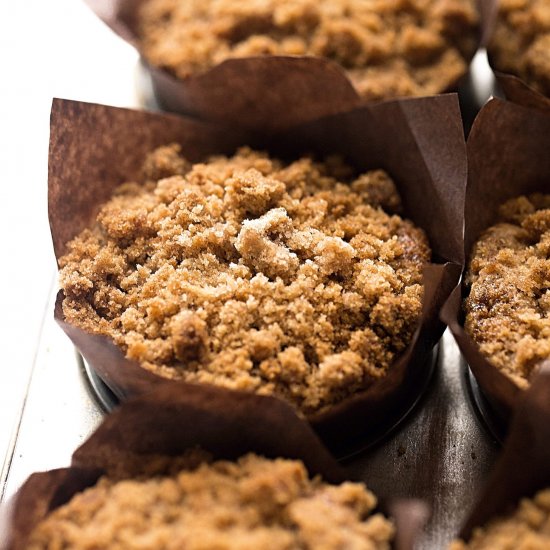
(253, 502)
(527, 528)
(520, 43)
(508, 306)
(296, 279)
(388, 48)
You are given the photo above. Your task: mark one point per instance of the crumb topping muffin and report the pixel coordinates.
(250, 504)
(388, 48)
(528, 528)
(253, 274)
(520, 43)
(508, 308)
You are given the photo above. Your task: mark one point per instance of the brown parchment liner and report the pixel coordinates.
(507, 157)
(517, 90)
(523, 468)
(263, 93)
(93, 148)
(141, 437)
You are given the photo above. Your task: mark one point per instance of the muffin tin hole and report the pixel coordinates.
(346, 449)
(102, 394)
(484, 411)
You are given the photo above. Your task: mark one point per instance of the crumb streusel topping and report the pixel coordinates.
(521, 41)
(528, 528)
(250, 504)
(508, 308)
(388, 48)
(246, 272)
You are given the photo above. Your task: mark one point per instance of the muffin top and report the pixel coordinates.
(249, 504)
(508, 307)
(528, 528)
(388, 48)
(253, 274)
(520, 43)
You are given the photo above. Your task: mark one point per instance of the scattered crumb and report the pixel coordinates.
(388, 48)
(245, 272)
(252, 503)
(508, 307)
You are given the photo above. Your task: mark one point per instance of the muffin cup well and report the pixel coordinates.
(142, 436)
(523, 468)
(419, 142)
(507, 157)
(263, 93)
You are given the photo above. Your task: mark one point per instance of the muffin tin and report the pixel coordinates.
(441, 452)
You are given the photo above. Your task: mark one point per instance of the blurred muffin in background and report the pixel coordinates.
(388, 48)
(520, 43)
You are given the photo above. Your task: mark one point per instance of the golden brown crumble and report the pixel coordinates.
(528, 528)
(250, 504)
(521, 41)
(388, 48)
(245, 272)
(508, 309)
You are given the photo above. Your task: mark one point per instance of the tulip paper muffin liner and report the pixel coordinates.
(507, 157)
(263, 93)
(419, 142)
(143, 436)
(516, 90)
(524, 465)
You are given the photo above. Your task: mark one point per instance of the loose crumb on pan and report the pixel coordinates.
(508, 307)
(520, 43)
(388, 48)
(253, 274)
(250, 504)
(528, 528)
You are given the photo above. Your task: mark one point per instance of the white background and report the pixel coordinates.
(48, 48)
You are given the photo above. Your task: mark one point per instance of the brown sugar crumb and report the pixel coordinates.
(528, 528)
(508, 309)
(252, 503)
(388, 48)
(253, 274)
(521, 41)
